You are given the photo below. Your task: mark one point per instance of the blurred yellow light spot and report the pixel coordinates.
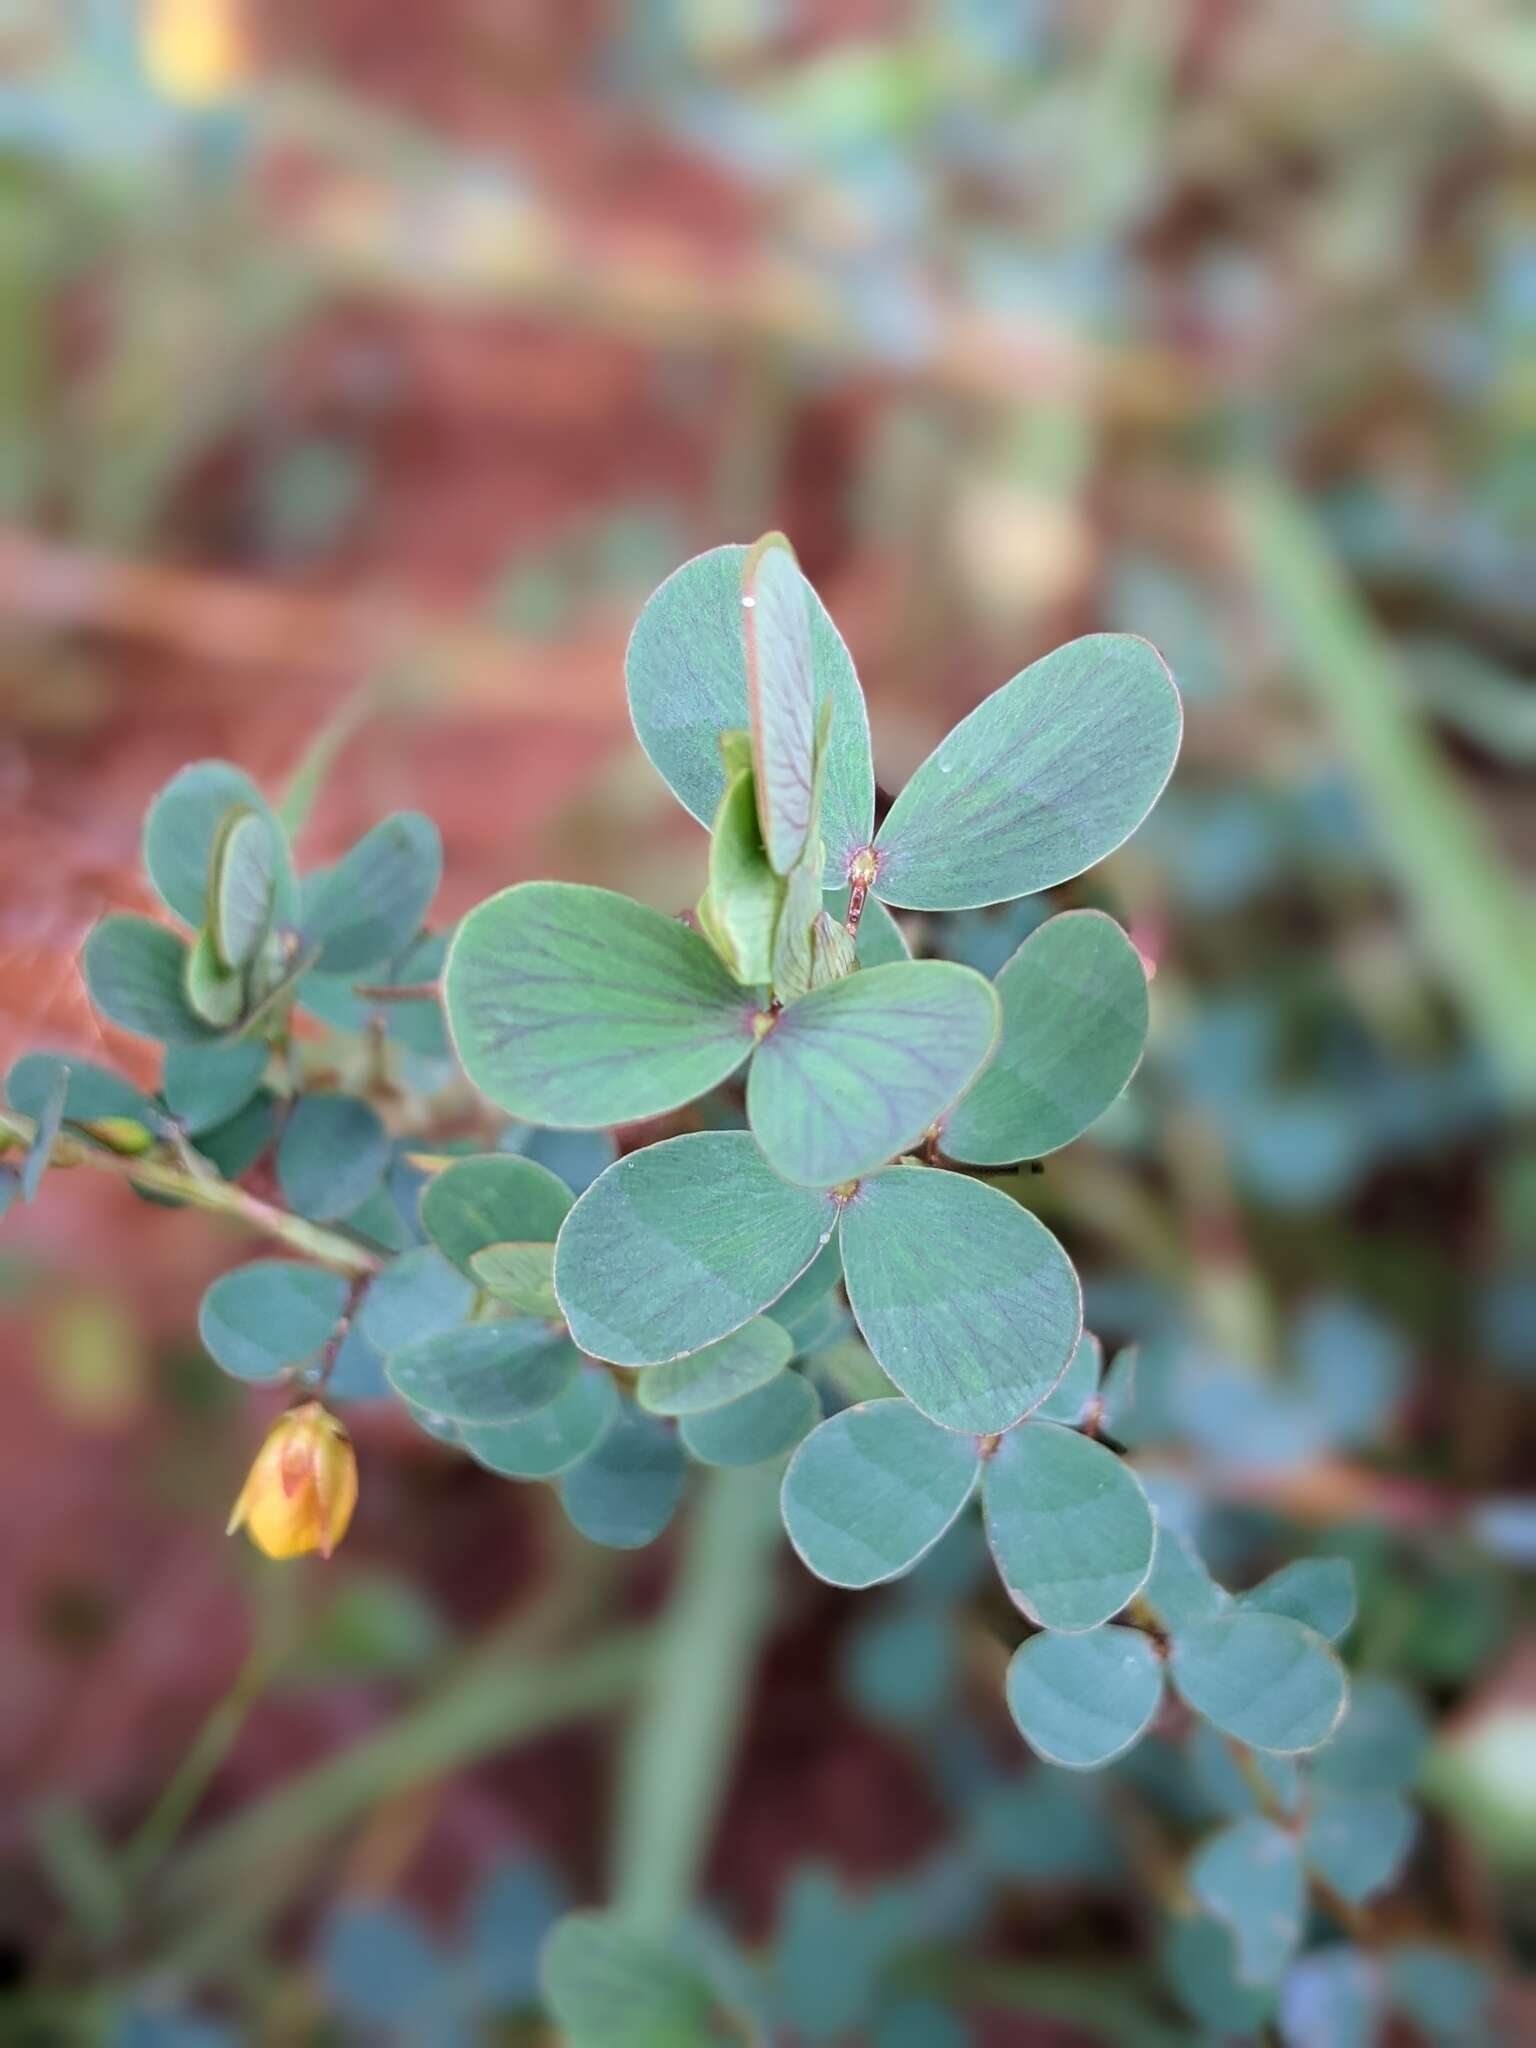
(195, 51)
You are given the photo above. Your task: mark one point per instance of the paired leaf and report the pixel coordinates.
(417, 1295)
(484, 1372)
(856, 1072)
(268, 1315)
(331, 1156)
(371, 904)
(521, 1275)
(135, 971)
(966, 1300)
(495, 1198)
(720, 1373)
(1319, 1591)
(558, 1436)
(1249, 1876)
(570, 1005)
(678, 1245)
(781, 697)
(1264, 1678)
(1074, 1000)
(624, 1494)
(1083, 1700)
(686, 671)
(872, 1491)
(763, 1424)
(205, 1085)
(1043, 779)
(1069, 1524)
(183, 826)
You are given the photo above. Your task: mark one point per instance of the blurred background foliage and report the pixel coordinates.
(371, 365)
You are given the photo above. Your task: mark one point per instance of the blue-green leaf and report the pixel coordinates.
(626, 1491)
(1083, 1700)
(182, 826)
(1249, 1876)
(1264, 1678)
(268, 1315)
(756, 1426)
(50, 1121)
(1045, 777)
(686, 671)
(610, 1987)
(205, 1085)
(92, 1094)
(1317, 1590)
(135, 971)
(1444, 1991)
(554, 1438)
(856, 1072)
(781, 696)
(484, 1372)
(966, 1300)
(369, 906)
(678, 1245)
(491, 1199)
(1069, 1399)
(1074, 1000)
(1180, 1590)
(872, 1491)
(332, 1155)
(737, 1365)
(1359, 1841)
(417, 1295)
(1069, 1524)
(214, 992)
(522, 1276)
(242, 888)
(1381, 1743)
(574, 1006)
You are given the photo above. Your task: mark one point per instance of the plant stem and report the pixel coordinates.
(217, 1197)
(680, 1746)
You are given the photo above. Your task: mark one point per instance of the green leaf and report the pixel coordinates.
(856, 1072)
(796, 954)
(1069, 1524)
(763, 1424)
(686, 672)
(1074, 1000)
(242, 888)
(796, 1308)
(1359, 1841)
(744, 892)
(721, 1372)
(1083, 1700)
(1379, 1746)
(214, 992)
(609, 1987)
(484, 1372)
(1444, 1991)
(556, 1437)
(371, 904)
(872, 1490)
(522, 1275)
(134, 970)
(1181, 1591)
(268, 1315)
(624, 1494)
(1317, 1590)
(679, 1245)
(1264, 1678)
(1249, 1877)
(574, 1006)
(1070, 1398)
(1045, 777)
(781, 696)
(50, 1121)
(967, 1301)
(417, 1295)
(234, 1147)
(183, 825)
(205, 1085)
(332, 1155)
(494, 1198)
(92, 1094)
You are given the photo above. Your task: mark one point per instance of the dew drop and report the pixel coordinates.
(748, 602)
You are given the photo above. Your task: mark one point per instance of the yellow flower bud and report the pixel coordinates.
(122, 1134)
(195, 50)
(302, 1488)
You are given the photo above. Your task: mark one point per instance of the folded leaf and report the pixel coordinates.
(574, 1006)
(872, 1491)
(744, 893)
(1045, 777)
(242, 887)
(855, 1073)
(1074, 1000)
(781, 696)
(1083, 1700)
(1069, 1524)
(966, 1300)
(183, 825)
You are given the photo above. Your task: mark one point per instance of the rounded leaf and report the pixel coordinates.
(872, 1491)
(624, 1494)
(205, 1085)
(1045, 777)
(556, 1437)
(1074, 1000)
(183, 825)
(332, 1155)
(492, 1199)
(678, 1245)
(417, 1295)
(573, 1006)
(1319, 1591)
(1358, 1842)
(1083, 1700)
(760, 1425)
(1249, 1876)
(1070, 1526)
(484, 1372)
(370, 905)
(720, 1373)
(966, 1300)
(686, 672)
(268, 1315)
(521, 1275)
(855, 1073)
(136, 973)
(1264, 1678)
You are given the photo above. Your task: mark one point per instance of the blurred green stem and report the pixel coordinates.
(678, 1755)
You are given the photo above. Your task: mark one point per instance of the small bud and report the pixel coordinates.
(122, 1134)
(302, 1488)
